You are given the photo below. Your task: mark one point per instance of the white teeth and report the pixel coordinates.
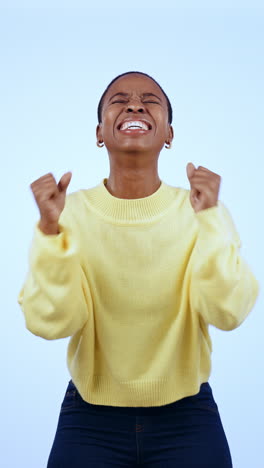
(134, 124)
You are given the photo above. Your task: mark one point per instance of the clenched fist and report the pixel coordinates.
(205, 186)
(50, 198)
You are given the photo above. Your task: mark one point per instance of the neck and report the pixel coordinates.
(133, 175)
(132, 183)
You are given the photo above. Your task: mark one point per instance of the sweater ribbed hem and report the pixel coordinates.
(156, 392)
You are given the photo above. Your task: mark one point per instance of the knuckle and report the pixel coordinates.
(216, 182)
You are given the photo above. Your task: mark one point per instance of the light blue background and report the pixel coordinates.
(55, 64)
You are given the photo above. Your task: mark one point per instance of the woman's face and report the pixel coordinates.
(134, 99)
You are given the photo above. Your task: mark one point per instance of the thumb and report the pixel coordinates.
(64, 182)
(190, 168)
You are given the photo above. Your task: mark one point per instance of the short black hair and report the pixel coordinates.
(100, 105)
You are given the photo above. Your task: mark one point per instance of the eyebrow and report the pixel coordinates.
(151, 94)
(126, 94)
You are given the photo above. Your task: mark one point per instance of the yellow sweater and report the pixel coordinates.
(135, 284)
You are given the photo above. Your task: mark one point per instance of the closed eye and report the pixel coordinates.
(144, 102)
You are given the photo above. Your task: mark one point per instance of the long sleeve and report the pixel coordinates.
(223, 290)
(55, 295)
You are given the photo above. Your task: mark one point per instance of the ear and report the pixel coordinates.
(99, 132)
(170, 133)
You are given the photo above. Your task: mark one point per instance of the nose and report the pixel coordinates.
(135, 107)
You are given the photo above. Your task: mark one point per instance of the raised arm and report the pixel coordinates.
(55, 297)
(223, 290)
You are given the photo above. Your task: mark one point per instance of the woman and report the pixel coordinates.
(135, 271)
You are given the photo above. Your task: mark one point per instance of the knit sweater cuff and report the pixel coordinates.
(51, 245)
(217, 221)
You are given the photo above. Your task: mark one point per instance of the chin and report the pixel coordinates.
(134, 148)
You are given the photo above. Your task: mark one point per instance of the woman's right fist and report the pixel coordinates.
(50, 198)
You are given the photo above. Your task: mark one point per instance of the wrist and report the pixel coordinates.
(49, 228)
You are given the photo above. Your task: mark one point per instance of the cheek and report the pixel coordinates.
(162, 128)
(161, 121)
(109, 122)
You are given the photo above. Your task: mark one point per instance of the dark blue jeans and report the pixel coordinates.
(185, 434)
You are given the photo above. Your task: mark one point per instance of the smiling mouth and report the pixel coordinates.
(134, 126)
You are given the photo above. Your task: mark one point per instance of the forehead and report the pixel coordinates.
(134, 83)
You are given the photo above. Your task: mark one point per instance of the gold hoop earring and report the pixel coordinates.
(100, 144)
(169, 145)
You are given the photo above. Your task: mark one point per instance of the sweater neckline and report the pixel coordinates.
(130, 210)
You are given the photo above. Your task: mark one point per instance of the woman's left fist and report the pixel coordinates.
(205, 186)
